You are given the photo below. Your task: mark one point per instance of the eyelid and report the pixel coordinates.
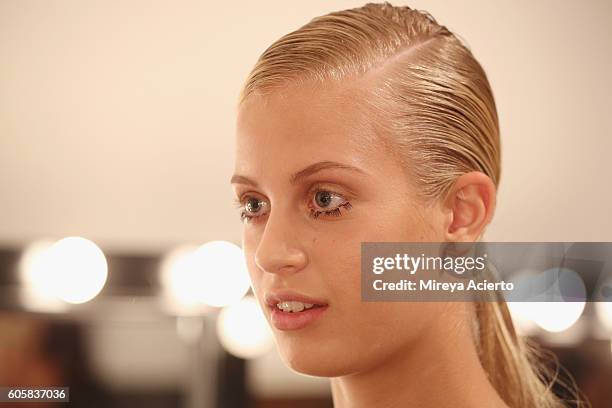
(247, 194)
(331, 187)
(315, 187)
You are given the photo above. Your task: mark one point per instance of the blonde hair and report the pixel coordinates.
(431, 96)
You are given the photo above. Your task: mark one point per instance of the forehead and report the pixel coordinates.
(300, 124)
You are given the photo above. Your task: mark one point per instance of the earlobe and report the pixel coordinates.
(470, 205)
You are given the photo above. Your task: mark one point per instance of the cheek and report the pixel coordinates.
(371, 330)
(403, 224)
(338, 255)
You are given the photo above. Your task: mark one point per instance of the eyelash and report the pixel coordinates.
(240, 203)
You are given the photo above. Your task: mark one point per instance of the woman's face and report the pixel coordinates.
(304, 237)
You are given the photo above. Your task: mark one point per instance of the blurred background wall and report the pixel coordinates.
(117, 124)
(117, 117)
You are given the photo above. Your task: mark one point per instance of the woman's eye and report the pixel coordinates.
(251, 208)
(323, 202)
(325, 199)
(328, 203)
(253, 205)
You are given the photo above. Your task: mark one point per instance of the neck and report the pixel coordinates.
(440, 369)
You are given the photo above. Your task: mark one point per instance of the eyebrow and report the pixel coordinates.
(307, 171)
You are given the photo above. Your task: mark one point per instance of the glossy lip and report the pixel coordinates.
(272, 298)
(286, 321)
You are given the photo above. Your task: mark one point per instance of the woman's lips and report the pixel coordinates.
(287, 320)
(273, 297)
(295, 320)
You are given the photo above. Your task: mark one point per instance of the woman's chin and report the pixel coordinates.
(313, 367)
(313, 361)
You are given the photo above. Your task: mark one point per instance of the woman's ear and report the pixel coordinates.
(469, 205)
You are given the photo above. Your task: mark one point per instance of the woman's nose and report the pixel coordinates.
(279, 249)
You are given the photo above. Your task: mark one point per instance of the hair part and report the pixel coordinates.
(432, 104)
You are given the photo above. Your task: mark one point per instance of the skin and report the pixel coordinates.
(383, 354)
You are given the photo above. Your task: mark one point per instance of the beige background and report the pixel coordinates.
(117, 117)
